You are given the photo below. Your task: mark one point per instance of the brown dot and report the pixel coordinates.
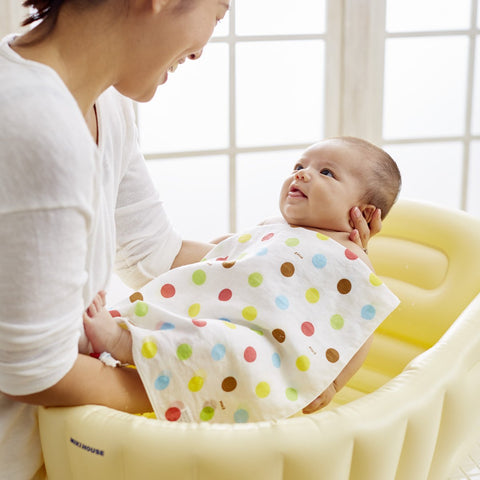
(136, 296)
(332, 355)
(344, 286)
(287, 269)
(278, 335)
(228, 264)
(229, 384)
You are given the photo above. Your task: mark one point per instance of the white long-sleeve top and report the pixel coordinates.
(70, 211)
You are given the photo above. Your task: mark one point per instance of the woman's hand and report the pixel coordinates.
(363, 231)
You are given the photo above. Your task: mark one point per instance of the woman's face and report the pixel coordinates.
(159, 41)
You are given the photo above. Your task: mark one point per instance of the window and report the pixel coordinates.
(224, 131)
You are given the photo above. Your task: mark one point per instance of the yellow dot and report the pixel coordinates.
(303, 363)
(262, 390)
(244, 238)
(149, 349)
(230, 325)
(312, 295)
(321, 236)
(195, 384)
(249, 313)
(194, 310)
(374, 280)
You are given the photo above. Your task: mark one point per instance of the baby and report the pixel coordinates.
(273, 320)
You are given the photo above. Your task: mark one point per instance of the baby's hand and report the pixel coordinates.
(104, 333)
(322, 400)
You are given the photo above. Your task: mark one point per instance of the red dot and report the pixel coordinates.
(168, 290)
(115, 313)
(350, 255)
(308, 329)
(173, 414)
(267, 237)
(199, 323)
(222, 259)
(225, 295)
(250, 354)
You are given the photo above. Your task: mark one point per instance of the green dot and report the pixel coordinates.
(249, 313)
(194, 310)
(312, 295)
(291, 394)
(141, 309)
(207, 414)
(199, 277)
(255, 279)
(292, 242)
(258, 331)
(184, 351)
(336, 321)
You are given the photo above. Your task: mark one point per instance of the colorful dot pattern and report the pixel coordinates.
(255, 331)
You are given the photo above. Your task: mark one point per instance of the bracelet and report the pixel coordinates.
(107, 359)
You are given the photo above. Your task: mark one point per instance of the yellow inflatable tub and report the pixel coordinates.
(410, 413)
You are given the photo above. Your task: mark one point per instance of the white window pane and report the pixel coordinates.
(259, 179)
(195, 194)
(473, 198)
(280, 92)
(270, 17)
(427, 15)
(425, 85)
(190, 111)
(222, 28)
(476, 92)
(430, 171)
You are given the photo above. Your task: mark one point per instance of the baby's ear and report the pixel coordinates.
(368, 211)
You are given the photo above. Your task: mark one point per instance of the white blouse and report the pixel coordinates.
(70, 211)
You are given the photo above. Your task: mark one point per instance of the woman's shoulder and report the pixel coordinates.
(45, 145)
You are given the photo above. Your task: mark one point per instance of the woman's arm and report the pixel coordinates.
(91, 382)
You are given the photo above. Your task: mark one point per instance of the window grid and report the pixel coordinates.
(468, 136)
(233, 150)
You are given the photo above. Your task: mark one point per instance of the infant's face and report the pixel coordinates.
(327, 181)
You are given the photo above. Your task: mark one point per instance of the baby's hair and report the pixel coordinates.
(385, 186)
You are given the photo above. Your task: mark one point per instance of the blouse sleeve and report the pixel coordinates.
(147, 242)
(46, 191)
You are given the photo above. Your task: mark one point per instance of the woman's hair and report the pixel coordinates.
(47, 10)
(384, 186)
(42, 10)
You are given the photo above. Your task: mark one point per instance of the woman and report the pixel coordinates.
(76, 198)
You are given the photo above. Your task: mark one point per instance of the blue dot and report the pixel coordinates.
(319, 260)
(218, 352)
(262, 252)
(167, 326)
(368, 312)
(276, 360)
(162, 382)
(225, 319)
(282, 302)
(240, 416)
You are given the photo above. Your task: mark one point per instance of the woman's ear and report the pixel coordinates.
(158, 5)
(368, 211)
